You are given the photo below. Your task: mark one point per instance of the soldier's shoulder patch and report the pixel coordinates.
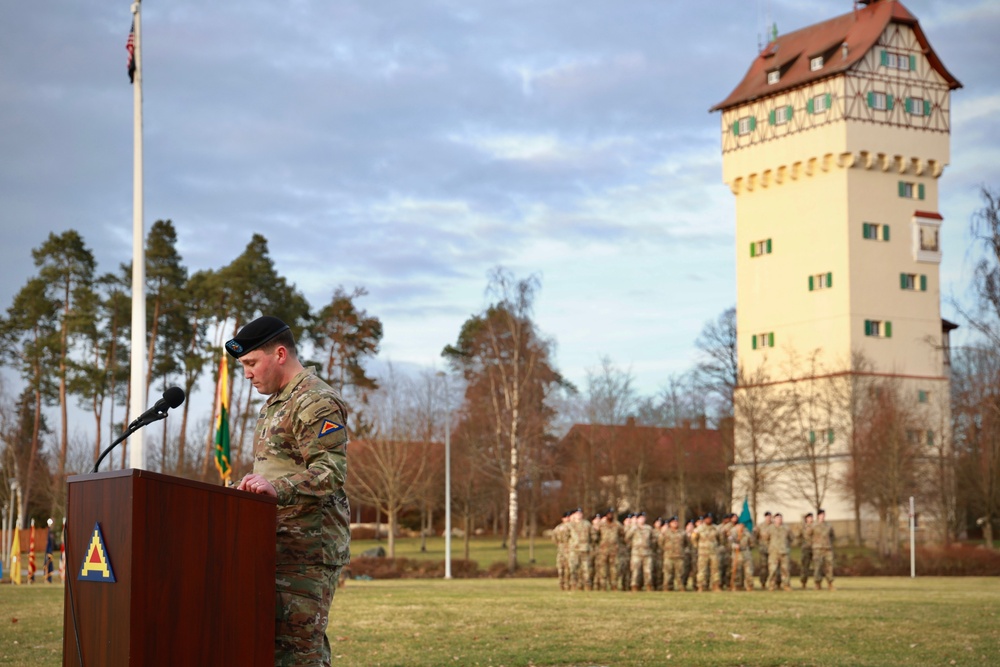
(328, 427)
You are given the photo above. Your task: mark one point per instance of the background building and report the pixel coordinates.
(833, 144)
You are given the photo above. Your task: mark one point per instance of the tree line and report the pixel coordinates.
(502, 400)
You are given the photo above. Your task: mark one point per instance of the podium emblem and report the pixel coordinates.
(96, 564)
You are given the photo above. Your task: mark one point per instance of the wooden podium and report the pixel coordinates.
(193, 569)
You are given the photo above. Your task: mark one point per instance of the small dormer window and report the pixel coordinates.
(816, 63)
(773, 76)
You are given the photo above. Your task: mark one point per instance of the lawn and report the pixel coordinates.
(866, 621)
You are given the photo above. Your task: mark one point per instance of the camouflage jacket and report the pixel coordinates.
(779, 539)
(672, 543)
(612, 534)
(707, 538)
(300, 446)
(640, 539)
(560, 535)
(822, 536)
(581, 536)
(807, 535)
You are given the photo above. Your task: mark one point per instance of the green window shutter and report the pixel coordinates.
(829, 98)
(888, 103)
(788, 113)
(920, 190)
(829, 279)
(902, 281)
(865, 230)
(913, 63)
(885, 232)
(868, 327)
(768, 246)
(753, 342)
(812, 437)
(770, 339)
(753, 249)
(810, 283)
(888, 329)
(927, 107)
(923, 283)
(753, 123)
(871, 98)
(909, 103)
(829, 435)
(771, 117)
(809, 106)
(885, 57)
(902, 189)
(930, 438)
(736, 128)
(922, 396)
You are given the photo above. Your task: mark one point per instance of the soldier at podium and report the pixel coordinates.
(300, 458)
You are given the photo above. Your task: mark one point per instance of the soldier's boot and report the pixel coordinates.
(805, 584)
(829, 586)
(786, 587)
(635, 588)
(819, 585)
(650, 588)
(716, 588)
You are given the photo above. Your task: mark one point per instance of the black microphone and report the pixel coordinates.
(172, 397)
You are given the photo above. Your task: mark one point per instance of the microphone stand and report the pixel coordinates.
(132, 428)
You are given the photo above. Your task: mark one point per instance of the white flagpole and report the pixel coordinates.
(137, 455)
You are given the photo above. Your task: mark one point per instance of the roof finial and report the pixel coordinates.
(774, 32)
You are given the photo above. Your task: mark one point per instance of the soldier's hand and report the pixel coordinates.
(255, 483)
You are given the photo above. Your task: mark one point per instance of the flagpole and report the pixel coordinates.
(137, 382)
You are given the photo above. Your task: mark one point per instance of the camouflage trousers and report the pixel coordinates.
(673, 574)
(562, 567)
(642, 564)
(742, 571)
(579, 570)
(777, 564)
(302, 609)
(690, 567)
(823, 566)
(606, 576)
(807, 564)
(764, 571)
(725, 565)
(708, 568)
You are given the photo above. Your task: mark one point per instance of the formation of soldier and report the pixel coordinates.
(603, 553)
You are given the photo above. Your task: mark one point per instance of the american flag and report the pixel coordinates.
(130, 47)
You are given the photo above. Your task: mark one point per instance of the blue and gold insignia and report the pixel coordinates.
(328, 427)
(96, 564)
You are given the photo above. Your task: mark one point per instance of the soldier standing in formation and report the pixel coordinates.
(673, 543)
(807, 548)
(640, 541)
(560, 535)
(778, 547)
(707, 541)
(762, 532)
(690, 555)
(611, 535)
(581, 538)
(822, 547)
(743, 542)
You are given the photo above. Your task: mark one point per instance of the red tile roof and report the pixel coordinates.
(791, 53)
(702, 449)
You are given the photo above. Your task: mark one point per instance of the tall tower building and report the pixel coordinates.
(833, 144)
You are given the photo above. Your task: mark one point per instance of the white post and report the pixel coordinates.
(137, 455)
(447, 490)
(913, 540)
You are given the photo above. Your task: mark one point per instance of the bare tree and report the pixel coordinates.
(759, 460)
(717, 371)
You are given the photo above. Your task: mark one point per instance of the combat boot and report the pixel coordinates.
(819, 586)
(635, 589)
(829, 586)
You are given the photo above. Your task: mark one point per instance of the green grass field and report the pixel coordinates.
(866, 621)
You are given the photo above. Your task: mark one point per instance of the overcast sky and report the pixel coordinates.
(408, 146)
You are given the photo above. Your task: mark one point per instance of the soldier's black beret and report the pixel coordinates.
(673, 518)
(809, 515)
(710, 516)
(767, 514)
(820, 511)
(255, 334)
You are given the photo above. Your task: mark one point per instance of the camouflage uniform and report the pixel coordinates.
(581, 536)
(763, 533)
(640, 539)
(673, 543)
(560, 535)
(725, 552)
(778, 541)
(807, 551)
(657, 555)
(708, 557)
(300, 447)
(742, 542)
(690, 556)
(611, 536)
(822, 543)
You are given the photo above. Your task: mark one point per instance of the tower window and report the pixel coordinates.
(819, 103)
(773, 77)
(762, 340)
(875, 231)
(913, 281)
(900, 61)
(820, 281)
(923, 396)
(878, 329)
(780, 115)
(816, 63)
(909, 190)
(744, 125)
(917, 106)
(759, 248)
(879, 101)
